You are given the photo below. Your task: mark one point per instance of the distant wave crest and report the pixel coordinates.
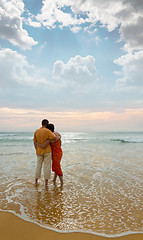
(127, 140)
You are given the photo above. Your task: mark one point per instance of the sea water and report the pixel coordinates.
(103, 180)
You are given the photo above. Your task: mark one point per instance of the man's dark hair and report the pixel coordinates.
(45, 122)
(51, 127)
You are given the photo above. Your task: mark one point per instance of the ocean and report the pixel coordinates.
(103, 180)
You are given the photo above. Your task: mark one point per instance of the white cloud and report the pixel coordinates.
(15, 70)
(23, 86)
(11, 24)
(32, 23)
(132, 71)
(75, 29)
(137, 4)
(53, 11)
(124, 14)
(132, 33)
(127, 15)
(78, 70)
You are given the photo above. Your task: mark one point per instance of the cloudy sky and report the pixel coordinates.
(78, 63)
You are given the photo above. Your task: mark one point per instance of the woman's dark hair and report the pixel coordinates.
(51, 127)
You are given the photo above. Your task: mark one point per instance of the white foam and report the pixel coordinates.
(25, 218)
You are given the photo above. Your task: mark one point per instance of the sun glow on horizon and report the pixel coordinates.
(29, 120)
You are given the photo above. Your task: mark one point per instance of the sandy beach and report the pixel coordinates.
(13, 228)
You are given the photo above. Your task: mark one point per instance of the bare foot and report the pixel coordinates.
(62, 184)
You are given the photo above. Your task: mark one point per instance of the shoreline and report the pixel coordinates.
(13, 227)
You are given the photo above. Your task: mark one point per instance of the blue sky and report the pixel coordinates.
(77, 63)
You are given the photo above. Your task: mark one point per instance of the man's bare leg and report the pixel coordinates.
(36, 181)
(46, 182)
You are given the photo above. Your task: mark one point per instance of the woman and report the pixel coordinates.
(56, 154)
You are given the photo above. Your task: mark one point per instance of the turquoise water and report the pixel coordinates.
(102, 191)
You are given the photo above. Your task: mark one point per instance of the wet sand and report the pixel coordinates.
(14, 228)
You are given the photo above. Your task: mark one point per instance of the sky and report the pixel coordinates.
(78, 63)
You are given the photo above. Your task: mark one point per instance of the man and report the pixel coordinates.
(43, 155)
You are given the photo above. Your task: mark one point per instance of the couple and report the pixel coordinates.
(47, 143)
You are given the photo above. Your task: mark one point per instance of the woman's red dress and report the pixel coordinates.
(56, 157)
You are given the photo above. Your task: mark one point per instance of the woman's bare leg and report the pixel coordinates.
(61, 180)
(55, 177)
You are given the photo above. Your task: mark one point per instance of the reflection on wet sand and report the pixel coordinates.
(49, 204)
